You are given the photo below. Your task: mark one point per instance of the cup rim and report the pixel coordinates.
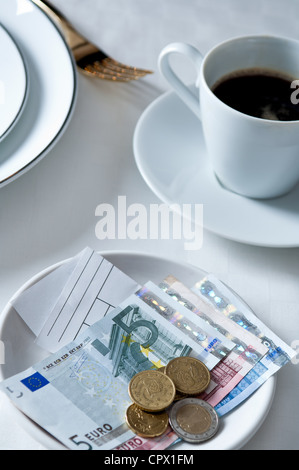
(269, 37)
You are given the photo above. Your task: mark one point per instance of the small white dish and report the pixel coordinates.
(13, 83)
(171, 156)
(52, 88)
(237, 428)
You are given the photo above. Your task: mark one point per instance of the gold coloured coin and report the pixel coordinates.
(189, 375)
(146, 424)
(151, 390)
(178, 395)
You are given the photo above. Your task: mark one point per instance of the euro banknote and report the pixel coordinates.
(209, 345)
(279, 353)
(80, 393)
(247, 352)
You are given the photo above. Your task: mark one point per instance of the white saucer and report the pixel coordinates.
(236, 429)
(171, 156)
(13, 83)
(52, 87)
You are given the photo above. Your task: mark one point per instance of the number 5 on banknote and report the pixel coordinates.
(137, 349)
(80, 443)
(139, 339)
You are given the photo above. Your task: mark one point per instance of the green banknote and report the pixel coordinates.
(80, 393)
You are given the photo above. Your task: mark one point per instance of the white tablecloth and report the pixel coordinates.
(49, 213)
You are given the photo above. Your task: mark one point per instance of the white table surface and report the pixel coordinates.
(49, 213)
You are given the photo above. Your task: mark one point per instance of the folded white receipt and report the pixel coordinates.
(75, 295)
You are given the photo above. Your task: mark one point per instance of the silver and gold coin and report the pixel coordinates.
(193, 420)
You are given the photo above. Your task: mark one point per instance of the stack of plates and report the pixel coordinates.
(37, 86)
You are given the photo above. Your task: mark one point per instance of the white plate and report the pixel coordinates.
(21, 352)
(171, 156)
(13, 83)
(52, 87)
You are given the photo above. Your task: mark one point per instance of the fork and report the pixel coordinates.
(89, 58)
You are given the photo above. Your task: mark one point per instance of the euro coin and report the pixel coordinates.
(151, 390)
(193, 420)
(146, 424)
(189, 375)
(178, 395)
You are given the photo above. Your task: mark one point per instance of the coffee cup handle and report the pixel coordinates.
(186, 95)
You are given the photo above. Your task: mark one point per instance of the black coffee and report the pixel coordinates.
(259, 93)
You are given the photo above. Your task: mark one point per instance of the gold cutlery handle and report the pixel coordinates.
(90, 58)
(73, 38)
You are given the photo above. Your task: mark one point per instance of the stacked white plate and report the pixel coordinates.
(13, 83)
(38, 86)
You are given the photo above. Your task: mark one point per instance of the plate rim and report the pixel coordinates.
(26, 88)
(7, 179)
(46, 439)
(141, 166)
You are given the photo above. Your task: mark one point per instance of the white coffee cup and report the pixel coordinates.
(254, 157)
